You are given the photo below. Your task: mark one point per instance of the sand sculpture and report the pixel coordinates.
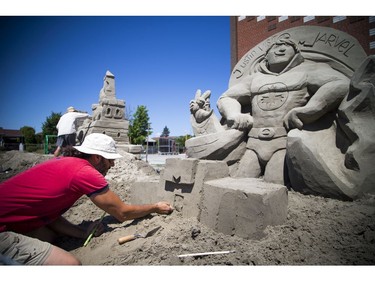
(108, 117)
(298, 112)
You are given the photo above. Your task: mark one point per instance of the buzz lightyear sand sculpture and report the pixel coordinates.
(298, 112)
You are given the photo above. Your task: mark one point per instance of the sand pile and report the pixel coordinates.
(318, 231)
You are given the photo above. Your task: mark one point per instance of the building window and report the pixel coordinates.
(261, 18)
(372, 45)
(294, 18)
(308, 18)
(372, 31)
(355, 19)
(270, 18)
(321, 19)
(371, 19)
(283, 18)
(337, 19)
(240, 18)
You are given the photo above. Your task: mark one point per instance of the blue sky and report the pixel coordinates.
(48, 63)
(160, 52)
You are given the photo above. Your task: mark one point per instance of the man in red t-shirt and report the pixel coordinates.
(31, 203)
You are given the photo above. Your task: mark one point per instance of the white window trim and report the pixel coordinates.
(339, 18)
(308, 18)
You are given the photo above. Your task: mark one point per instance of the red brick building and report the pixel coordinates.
(247, 32)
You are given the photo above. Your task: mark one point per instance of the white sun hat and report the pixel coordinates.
(99, 144)
(70, 109)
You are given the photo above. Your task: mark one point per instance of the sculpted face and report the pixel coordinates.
(279, 56)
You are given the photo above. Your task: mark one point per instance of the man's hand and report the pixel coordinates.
(98, 226)
(240, 121)
(164, 208)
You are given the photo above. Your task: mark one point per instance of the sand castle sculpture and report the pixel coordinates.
(108, 117)
(299, 112)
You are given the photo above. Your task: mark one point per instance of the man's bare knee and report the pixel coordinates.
(61, 257)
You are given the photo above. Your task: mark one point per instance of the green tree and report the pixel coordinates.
(180, 141)
(139, 127)
(29, 138)
(165, 132)
(39, 137)
(49, 126)
(28, 134)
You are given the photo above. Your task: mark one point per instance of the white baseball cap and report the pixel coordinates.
(99, 144)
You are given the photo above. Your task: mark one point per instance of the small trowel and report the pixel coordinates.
(128, 238)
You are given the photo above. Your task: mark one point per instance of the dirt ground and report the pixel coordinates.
(318, 231)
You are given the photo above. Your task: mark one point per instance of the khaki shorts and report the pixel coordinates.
(22, 250)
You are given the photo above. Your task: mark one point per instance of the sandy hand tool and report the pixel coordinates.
(93, 230)
(127, 238)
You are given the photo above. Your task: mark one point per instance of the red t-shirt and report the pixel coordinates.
(43, 193)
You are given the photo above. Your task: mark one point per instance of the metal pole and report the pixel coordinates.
(148, 131)
(46, 144)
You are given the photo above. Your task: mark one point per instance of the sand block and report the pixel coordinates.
(243, 206)
(186, 197)
(180, 171)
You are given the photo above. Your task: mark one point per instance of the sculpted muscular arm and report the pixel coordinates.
(327, 87)
(230, 104)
